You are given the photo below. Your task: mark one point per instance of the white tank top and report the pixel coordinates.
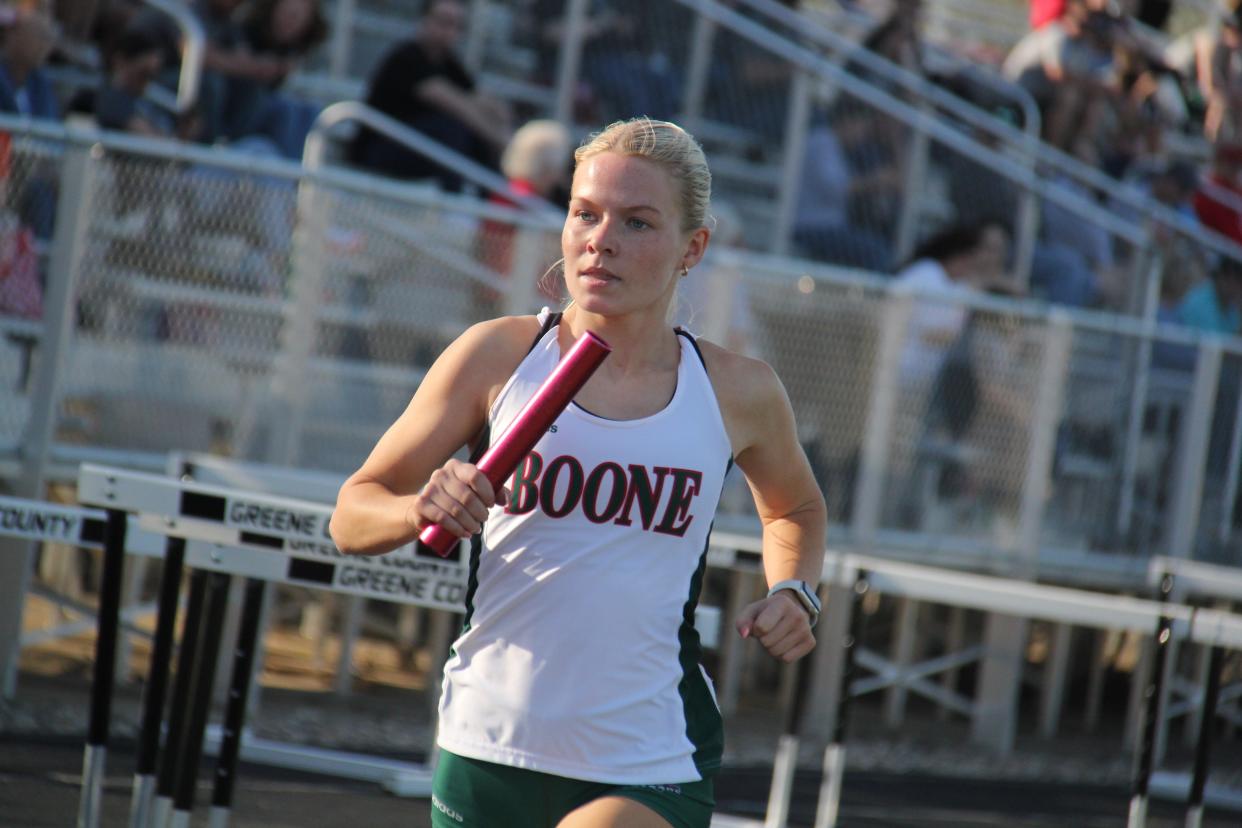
(578, 655)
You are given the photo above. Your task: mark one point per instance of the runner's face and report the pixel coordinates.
(622, 241)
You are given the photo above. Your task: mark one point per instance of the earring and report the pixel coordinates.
(685, 271)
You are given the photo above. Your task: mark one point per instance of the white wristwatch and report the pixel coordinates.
(805, 594)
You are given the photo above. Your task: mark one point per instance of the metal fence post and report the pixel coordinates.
(1192, 457)
(1049, 405)
(995, 720)
(1138, 399)
(698, 70)
(525, 272)
(884, 391)
(73, 213)
(476, 35)
(299, 331)
(569, 60)
(907, 230)
(797, 121)
(342, 34)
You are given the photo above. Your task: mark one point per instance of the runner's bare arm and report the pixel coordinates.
(409, 480)
(790, 505)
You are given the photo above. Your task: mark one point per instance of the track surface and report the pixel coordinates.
(39, 784)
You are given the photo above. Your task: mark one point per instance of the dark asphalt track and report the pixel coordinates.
(39, 784)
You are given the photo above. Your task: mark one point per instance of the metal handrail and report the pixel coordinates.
(314, 151)
(910, 81)
(193, 51)
(988, 157)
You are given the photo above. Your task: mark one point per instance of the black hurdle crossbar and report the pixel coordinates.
(107, 628)
(235, 708)
(200, 697)
(1151, 716)
(1207, 727)
(157, 683)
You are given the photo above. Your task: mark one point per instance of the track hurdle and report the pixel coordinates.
(106, 530)
(266, 539)
(1222, 583)
(1211, 628)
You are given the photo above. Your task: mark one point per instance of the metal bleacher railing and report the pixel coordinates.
(760, 83)
(192, 330)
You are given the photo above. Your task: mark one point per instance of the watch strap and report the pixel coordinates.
(803, 592)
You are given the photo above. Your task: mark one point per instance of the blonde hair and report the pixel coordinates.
(539, 149)
(667, 145)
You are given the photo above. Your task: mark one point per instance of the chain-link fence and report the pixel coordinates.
(227, 304)
(28, 184)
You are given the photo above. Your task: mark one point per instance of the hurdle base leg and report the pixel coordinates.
(92, 785)
(180, 819)
(782, 782)
(829, 807)
(218, 817)
(1138, 812)
(140, 805)
(161, 812)
(1194, 816)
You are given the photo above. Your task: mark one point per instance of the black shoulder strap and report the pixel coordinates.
(551, 322)
(690, 338)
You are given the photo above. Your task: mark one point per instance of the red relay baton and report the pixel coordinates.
(535, 418)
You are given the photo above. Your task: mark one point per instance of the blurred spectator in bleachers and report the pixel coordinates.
(285, 32)
(423, 84)
(897, 38)
(1067, 67)
(1074, 263)
(21, 285)
(1043, 12)
(748, 90)
(823, 227)
(536, 163)
(1218, 203)
(76, 18)
(250, 50)
(630, 61)
(947, 267)
(1153, 13)
(1219, 68)
(959, 259)
(936, 375)
(1149, 105)
(1215, 305)
(28, 36)
(120, 103)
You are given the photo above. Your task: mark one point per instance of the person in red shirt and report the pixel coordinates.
(1043, 12)
(1219, 202)
(537, 164)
